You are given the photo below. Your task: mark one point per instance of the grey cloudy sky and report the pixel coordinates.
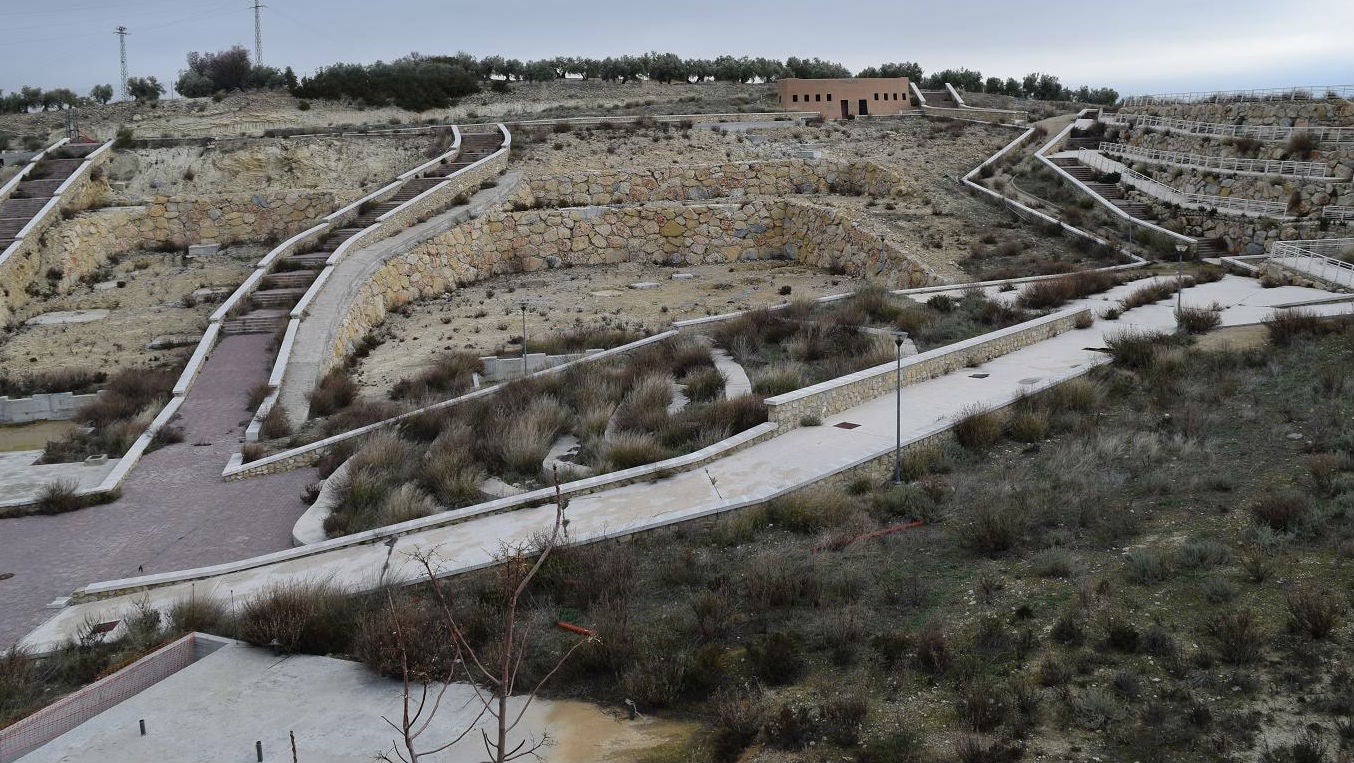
(1141, 46)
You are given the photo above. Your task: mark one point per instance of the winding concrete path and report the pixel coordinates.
(787, 462)
(175, 511)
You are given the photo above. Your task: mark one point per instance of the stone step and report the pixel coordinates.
(35, 189)
(290, 279)
(309, 259)
(256, 322)
(283, 297)
(22, 208)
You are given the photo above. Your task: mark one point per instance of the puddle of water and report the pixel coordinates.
(33, 436)
(585, 733)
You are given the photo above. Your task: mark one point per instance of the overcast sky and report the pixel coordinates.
(1141, 46)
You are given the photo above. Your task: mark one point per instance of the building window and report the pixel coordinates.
(817, 96)
(829, 97)
(876, 96)
(795, 97)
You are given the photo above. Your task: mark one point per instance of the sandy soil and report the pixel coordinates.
(32, 436)
(593, 735)
(484, 317)
(148, 305)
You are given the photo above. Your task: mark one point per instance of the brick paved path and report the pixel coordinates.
(175, 513)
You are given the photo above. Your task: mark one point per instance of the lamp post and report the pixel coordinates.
(898, 337)
(1179, 281)
(524, 337)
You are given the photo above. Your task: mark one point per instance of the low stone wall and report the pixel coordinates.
(711, 181)
(1242, 235)
(834, 396)
(58, 406)
(496, 368)
(675, 234)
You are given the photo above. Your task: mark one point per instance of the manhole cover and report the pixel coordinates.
(6, 575)
(1031, 380)
(979, 376)
(846, 425)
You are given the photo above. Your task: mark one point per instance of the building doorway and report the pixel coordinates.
(864, 108)
(846, 110)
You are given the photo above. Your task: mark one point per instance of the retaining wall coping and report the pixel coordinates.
(300, 309)
(204, 348)
(923, 357)
(391, 188)
(283, 352)
(238, 295)
(294, 241)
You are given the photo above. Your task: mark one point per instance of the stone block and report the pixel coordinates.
(205, 249)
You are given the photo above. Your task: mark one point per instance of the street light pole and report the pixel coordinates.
(898, 409)
(1179, 280)
(524, 338)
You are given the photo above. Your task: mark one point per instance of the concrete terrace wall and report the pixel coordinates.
(43, 407)
(836, 395)
(731, 180)
(676, 234)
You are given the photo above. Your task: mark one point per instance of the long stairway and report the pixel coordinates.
(38, 187)
(1110, 191)
(282, 289)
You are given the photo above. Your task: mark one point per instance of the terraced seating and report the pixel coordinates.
(1110, 191)
(256, 322)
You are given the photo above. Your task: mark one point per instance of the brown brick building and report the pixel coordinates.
(844, 98)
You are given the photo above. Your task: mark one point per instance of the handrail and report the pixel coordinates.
(1332, 212)
(454, 148)
(1298, 93)
(1315, 170)
(1306, 258)
(1171, 195)
(1269, 133)
(1105, 203)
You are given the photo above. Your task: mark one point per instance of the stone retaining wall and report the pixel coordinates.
(834, 396)
(730, 180)
(1330, 113)
(1339, 157)
(675, 234)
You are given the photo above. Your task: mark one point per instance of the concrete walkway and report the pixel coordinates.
(795, 459)
(319, 328)
(175, 511)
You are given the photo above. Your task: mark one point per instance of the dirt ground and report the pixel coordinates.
(144, 296)
(483, 318)
(32, 436)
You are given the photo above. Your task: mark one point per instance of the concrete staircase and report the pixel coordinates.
(38, 187)
(282, 289)
(1110, 191)
(939, 99)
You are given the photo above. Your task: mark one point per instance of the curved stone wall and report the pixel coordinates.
(667, 233)
(731, 180)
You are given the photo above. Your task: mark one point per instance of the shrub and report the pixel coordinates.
(902, 746)
(1301, 145)
(1134, 348)
(780, 378)
(257, 394)
(628, 449)
(201, 614)
(275, 424)
(1312, 612)
(1054, 563)
(775, 659)
(704, 384)
(933, 652)
(1286, 325)
(1148, 566)
(60, 496)
(334, 392)
(1078, 395)
(449, 375)
(522, 441)
(314, 618)
(1204, 554)
(1199, 320)
(1237, 636)
(978, 428)
(1029, 425)
(995, 528)
(1149, 294)
(1097, 708)
(1283, 510)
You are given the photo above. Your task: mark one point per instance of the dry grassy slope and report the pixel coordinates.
(527, 100)
(346, 166)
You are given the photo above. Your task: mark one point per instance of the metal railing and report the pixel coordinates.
(1269, 133)
(1299, 93)
(1332, 212)
(1316, 259)
(1155, 189)
(1315, 170)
